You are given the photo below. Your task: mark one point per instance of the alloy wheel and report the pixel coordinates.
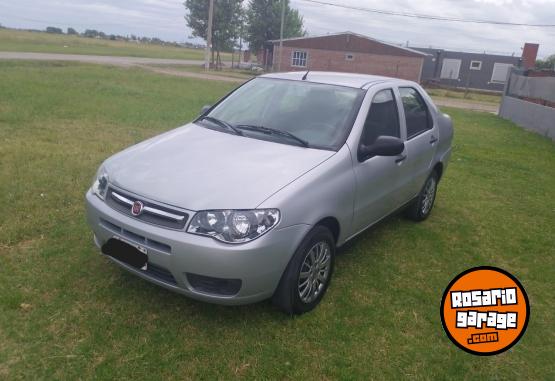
(429, 195)
(315, 272)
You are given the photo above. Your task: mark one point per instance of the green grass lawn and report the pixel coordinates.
(40, 42)
(68, 313)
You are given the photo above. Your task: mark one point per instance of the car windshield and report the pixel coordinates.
(291, 112)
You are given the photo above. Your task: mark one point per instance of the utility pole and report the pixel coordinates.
(281, 33)
(209, 37)
(241, 42)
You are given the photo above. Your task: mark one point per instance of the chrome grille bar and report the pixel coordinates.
(119, 197)
(148, 209)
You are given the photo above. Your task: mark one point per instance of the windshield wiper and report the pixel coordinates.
(273, 131)
(222, 123)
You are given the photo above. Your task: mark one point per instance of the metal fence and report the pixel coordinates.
(529, 101)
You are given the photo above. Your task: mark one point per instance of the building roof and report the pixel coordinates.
(432, 52)
(335, 78)
(361, 44)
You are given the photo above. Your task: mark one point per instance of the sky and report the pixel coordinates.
(165, 19)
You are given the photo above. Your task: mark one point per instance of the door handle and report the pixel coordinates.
(400, 159)
(433, 139)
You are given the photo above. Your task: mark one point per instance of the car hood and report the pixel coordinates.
(196, 168)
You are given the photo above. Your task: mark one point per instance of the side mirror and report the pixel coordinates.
(204, 109)
(383, 146)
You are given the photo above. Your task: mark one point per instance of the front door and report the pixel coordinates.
(377, 177)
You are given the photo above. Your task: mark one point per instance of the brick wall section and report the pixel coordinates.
(529, 55)
(404, 67)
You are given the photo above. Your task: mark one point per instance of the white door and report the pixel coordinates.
(500, 71)
(450, 68)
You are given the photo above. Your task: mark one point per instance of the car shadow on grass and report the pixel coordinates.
(132, 290)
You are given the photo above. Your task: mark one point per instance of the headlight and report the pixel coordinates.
(100, 184)
(234, 226)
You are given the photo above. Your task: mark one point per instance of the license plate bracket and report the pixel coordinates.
(126, 252)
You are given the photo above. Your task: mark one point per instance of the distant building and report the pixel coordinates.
(344, 52)
(473, 70)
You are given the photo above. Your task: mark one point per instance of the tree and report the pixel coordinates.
(90, 33)
(52, 29)
(548, 63)
(264, 22)
(71, 31)
(225, 24)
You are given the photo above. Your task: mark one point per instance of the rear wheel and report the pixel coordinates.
(422, 206)
(308, 274)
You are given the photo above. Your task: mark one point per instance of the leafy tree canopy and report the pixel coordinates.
(52, 29)
(225, 24)
(548, 63)
(264, 22)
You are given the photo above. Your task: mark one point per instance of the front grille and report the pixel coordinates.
(153, 213)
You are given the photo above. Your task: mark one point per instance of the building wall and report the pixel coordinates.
(405, 67)
(529, 55)
(475, 79)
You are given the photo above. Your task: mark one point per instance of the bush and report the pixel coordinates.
(52, 29)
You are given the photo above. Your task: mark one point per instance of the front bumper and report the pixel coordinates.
(258, 264)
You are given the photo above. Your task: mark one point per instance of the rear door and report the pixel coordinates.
(377, 177)
(421, 140)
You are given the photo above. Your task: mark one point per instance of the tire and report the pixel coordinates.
(422, 206)
(292, 295)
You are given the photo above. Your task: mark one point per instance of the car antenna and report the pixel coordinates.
(304, 76)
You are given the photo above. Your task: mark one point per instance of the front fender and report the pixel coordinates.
(325, 191)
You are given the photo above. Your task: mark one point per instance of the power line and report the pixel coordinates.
(428, 17)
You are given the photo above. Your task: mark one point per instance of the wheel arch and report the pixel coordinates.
(439, 169)
(331, 223)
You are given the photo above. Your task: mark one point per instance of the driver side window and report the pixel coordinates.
(382, 119)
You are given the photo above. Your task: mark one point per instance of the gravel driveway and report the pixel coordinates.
(145, 62)
(111, 60)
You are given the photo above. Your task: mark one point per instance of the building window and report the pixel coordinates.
(475, 65)
(450, 68)
(349, 57)
(299, 58)
(500, 71)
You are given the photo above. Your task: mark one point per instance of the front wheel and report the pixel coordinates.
(308, 274)
(422, 206)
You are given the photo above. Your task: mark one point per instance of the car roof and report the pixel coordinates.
(335, 78)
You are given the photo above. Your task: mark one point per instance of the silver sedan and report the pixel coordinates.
(251, 199)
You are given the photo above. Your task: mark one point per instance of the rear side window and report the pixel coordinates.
(382, 119)
(416, 112)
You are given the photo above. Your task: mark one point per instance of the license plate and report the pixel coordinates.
(126, 252)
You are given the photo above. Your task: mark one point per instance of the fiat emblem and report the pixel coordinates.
(137, 208)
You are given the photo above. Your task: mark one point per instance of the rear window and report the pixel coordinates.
(417, 115)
